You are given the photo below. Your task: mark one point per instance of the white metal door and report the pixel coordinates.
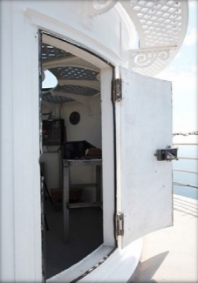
(143, 125)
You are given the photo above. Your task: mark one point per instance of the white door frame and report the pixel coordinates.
(108, 153)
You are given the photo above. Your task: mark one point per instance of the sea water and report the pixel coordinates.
(188, 165)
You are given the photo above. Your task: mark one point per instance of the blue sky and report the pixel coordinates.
(183, 73)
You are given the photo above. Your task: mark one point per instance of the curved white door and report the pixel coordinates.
(143, 125)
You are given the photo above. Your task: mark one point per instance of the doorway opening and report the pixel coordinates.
(79, 193)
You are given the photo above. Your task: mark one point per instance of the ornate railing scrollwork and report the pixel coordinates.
(144, 58)
(98, 7)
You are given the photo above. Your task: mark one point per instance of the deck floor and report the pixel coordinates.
(86, 234)
(170, 255)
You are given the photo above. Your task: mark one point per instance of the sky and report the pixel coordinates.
(183, 73)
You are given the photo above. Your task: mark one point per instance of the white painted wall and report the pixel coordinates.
(20, 231)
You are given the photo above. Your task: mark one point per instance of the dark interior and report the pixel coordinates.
(85, 223)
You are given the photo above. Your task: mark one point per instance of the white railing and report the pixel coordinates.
(185, 171)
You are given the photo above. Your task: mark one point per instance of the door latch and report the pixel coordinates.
(167, 154)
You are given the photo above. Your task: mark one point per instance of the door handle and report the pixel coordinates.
(167, 154)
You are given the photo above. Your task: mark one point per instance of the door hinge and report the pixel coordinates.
(117, 90)
(119, 224)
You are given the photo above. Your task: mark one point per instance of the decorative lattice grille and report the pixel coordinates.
(77, 89)
(55, 98)
(50, 53)
(74, 73)
(161, 26)
(159, 22)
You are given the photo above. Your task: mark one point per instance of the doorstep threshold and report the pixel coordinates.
(82, 266)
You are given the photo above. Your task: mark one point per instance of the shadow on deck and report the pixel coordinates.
(170, 255)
